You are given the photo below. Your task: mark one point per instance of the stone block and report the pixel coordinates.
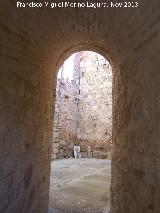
(56, 134)
(63, 142)
(55, 151)
(55, 145)
(54, 156)
(84, 154)
(100, 154)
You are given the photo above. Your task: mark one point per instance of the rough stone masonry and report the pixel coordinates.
(83, 113)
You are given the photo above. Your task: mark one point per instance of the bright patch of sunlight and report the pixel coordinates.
(67, 69)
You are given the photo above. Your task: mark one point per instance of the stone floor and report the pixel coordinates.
(80, 186)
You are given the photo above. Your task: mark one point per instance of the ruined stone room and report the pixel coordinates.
(79, 106)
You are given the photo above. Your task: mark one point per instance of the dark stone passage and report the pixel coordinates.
(34, 44)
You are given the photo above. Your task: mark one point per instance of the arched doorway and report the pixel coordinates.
(34, 42)
(83, 118)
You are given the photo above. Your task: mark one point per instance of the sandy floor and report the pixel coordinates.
(80, 186)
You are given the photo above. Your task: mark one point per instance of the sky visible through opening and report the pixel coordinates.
(68, 67)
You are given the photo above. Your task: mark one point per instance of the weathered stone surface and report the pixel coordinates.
(84, 115)
(95, 106)
(65, 117)
(84, 154)
(99, 154)
(56, 145)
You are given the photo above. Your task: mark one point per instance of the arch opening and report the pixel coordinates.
(82, 129)
(33, 42)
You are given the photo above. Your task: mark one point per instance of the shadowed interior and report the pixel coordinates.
(34, 44)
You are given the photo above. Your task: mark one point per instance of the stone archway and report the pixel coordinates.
(35, 42)
(83, 116)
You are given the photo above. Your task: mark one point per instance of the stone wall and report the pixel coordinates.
(65, 117)
(95, 106)
(83, 112)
